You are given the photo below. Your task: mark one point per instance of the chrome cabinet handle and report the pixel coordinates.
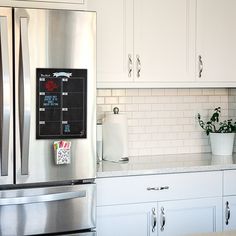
(42, 198)
(130, 65)
(25, 94)
(157, 188)
(227, 213)
(6, 94)
(138, 66)
(163, 219)
(154, 220)
(200, 64)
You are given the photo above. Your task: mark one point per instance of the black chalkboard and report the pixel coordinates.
(61, 103)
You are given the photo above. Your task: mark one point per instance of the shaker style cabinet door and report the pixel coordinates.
(127, 220)
(185, 217)
(216, 41)
(164, 44)
(114, 40)
(229, 213)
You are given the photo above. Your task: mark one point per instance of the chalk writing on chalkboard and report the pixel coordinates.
(67, 128)
(50, 101)
(51, 86)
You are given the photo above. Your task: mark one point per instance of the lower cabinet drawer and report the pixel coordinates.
(229, 182)
(134, 189)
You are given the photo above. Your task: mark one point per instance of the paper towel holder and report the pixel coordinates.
(116, 110)
(123, 159)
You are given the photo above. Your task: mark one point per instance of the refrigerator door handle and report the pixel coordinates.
(6, 94)
(42, 198)
(25, 95)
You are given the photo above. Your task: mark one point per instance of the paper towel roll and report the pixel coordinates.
(115, 137)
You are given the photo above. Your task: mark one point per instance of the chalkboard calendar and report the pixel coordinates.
(61, 103)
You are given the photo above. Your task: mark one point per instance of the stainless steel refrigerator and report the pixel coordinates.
(47, 95)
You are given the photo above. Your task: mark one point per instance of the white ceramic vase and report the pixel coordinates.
(222, 143)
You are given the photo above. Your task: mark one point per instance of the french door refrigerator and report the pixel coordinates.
(47, 121)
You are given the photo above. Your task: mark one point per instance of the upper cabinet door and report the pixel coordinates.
(216, 40)
(114, 39)
(164, 44)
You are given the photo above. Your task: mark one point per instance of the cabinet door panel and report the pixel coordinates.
(229, 213)
(56, 1)
(114, 39)
(190, 216)
(164, 40)
(216, 37)
(126, 220)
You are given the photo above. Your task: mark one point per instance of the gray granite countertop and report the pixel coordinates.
(166, 164)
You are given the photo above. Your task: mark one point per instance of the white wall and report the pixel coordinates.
(162, 121)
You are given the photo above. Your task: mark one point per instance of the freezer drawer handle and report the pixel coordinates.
(42, 198)
(6, 94)
(25, 95)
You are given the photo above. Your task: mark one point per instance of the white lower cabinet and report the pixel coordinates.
(186, 217)
(229, 200)
(161, 205)
(229, 216)
(127, 220)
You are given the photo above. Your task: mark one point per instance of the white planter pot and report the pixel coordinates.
(222, 143)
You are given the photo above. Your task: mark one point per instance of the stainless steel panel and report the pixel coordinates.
(81, 234)
(24, 95)
(6, 119)
(58, 209)
(57, 39)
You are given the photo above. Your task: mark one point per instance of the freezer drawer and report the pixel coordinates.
(81, 234)
(47, 210)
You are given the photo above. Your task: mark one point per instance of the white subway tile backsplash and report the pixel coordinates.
(131, 92)
(125, 100)
(158, 92)
(171, 92)
(132, 107)
(100, 100)
(118, 92)
(103, 92)
(182, 92)
(163, 121)
(214, 99)
(195, 92)
(221, 91)
(144, 92)
(111, 100)
(208, 91)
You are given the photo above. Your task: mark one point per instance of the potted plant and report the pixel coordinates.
(221, 133)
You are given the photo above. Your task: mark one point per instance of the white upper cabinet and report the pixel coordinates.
(144, 44)
(164, 42)
(114, 39)
(216, 40)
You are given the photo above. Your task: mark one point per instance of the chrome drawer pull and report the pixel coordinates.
(200, 65)
(227, 213)
(138, 66)
(154, 219)
(163, 219)
(130, 65)
(157, 188)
